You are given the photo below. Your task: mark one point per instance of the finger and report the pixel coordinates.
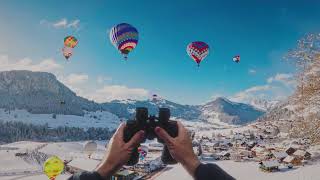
(119, 131)
(163, 135)
(181, 128)
(136, 139)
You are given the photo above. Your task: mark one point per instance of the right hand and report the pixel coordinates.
(180, 147)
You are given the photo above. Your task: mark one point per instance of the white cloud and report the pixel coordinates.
(47, 65)
(103, 79)
(63, 23)
(76, 79)
(278, 87)
(252, 71)
(74, 24)
(112, 92)
(286, 79)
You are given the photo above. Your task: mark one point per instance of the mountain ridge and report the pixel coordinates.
(41, 92)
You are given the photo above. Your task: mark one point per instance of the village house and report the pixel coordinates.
(279, 155)
(292, 160)
(302, 154)
(258, 151)
(224, 155)
(269, 166)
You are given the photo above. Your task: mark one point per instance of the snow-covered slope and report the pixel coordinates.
(40, 92)
(96, 119)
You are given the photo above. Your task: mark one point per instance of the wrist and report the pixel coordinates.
(191, 164)
(105, 170)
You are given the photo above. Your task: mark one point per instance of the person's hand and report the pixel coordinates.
(118, 152)
(180, 147)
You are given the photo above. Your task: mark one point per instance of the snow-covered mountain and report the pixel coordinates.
(126, 108)
(226, 111)
(42, 93)
(263, 103)
(219, 111)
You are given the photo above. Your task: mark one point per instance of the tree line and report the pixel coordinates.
(12, 131)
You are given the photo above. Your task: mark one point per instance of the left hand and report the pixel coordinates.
(118, 152)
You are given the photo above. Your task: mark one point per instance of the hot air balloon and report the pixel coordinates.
(53, 167)
(198, 51)
(124, 37)
(67, 52)
(90, 147)
(70, 41)
(143, 151)
(236, 59)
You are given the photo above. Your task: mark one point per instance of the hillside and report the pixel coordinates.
(40, 93)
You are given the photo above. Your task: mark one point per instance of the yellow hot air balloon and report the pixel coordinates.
(53, 167)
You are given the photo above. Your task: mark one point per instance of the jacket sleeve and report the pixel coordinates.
(211, 172)
(86, 176)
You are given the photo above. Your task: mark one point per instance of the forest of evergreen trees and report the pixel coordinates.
(19, 131)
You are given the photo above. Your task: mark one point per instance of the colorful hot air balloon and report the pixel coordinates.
(67, 52)
(53, 167)
(236, 59)
(70, 41)
(143, 151)
(124, 37)
(198, 51)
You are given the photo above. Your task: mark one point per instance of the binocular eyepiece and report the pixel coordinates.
(142, 114)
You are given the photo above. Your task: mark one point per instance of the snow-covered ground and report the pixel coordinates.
(12, 167)
(249, 171)
(90, 119)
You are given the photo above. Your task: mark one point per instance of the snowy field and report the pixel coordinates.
(249, 171)
(90, 119)
(12, 167)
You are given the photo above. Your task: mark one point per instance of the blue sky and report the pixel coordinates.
(261, 32)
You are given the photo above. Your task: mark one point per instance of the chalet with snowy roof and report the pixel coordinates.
(246, 153)
(279, 155)
(269, 166)
(224, 155)
(302, 154)
(292, 160)
(258, 151)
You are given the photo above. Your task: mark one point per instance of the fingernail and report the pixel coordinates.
(157, 129)
(141, 133)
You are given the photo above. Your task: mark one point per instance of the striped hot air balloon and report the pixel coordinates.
(124, 37)
(198, 51)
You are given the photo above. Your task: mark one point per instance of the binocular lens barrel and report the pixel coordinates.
(164, 114)
(141, 114)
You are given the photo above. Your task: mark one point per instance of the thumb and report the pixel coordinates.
(163, 135)
(136, 139)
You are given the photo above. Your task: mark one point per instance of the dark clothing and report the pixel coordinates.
(203, 172)
(211, 172)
